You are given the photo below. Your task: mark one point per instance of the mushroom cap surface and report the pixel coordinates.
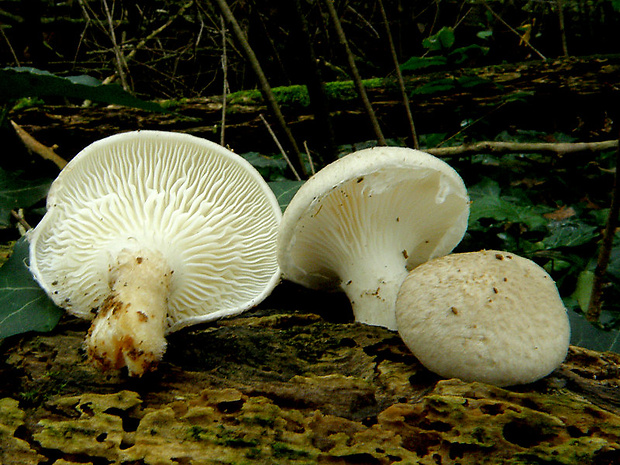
(486, 316)
(204, 209)
(385, 203)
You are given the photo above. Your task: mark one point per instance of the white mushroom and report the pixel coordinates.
(362, 222)
(484, 316)
(149, 231)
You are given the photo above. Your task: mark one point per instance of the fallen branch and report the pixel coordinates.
(556, 148)
(34, 146)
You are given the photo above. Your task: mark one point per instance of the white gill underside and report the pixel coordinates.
(365, 240)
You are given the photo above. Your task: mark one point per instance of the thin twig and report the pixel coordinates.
(121, 64)
(6, 39)
(34, 146)
(265, 87)
(140, 45)
(399, 76)
(498, 147)
(355, 75)
(471, 124)
(273, 135)
(23, 225)
(596, 297)
(522, 37)
(309, 155)
(224, 80)
(560, 6)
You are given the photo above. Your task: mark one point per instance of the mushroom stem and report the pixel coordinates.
(373, 293)
(129, 329)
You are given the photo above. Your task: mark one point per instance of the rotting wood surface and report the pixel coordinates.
(269, 387)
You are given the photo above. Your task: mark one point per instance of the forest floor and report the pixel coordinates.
(296, 380)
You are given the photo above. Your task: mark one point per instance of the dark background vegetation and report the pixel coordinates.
(73, 37)
(513, 73)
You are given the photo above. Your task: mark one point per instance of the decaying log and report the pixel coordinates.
(295, 387)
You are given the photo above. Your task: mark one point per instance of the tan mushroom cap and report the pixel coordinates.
(151, 231)
(362, 222)
(486, 316)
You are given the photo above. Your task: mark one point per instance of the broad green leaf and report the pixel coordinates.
(444, 39)
(484, 34)
(569, 234)
(467, 82)
(16, 192)
(415, 63)
(434, 87)
(613, 269)
(583, 289)
(487, 202)
(16, 83)
(584, 334)
(462, 54)
(285, 190)
(24, 306)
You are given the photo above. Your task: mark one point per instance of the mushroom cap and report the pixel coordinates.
(204, 209)
(388, 202)
(485, 316)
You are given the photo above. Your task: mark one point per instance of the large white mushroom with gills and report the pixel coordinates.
(147, 232)
(362, 222)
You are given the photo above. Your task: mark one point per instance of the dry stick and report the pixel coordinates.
(121, 64)
(224, 79)
(273, 135)
(596, 297)
(150, 37)
(562, 148)
(19, 217)
(522, 37)
(319, 102)
(357, 79)
(37, 147)
(266, 90)
(309, 155)
(560, 5)
(399, 76)
(6, 39)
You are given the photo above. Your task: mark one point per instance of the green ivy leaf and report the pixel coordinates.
(583, 289)
(16, 192)
(461, 54)
(444, 39)
(24, 306)
(569, 234)
(435, 87)
(16, 83)
(270, 168)
(285, 190)
(467, 82)
(416, 63)
(487, 202)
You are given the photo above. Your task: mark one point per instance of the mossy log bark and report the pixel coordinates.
(578, 96)
(272, 387)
